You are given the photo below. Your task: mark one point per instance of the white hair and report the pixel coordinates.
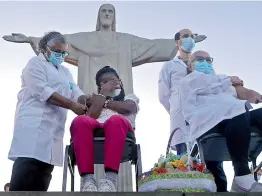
(49, 39)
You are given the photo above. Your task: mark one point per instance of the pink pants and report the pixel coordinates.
(82, 128)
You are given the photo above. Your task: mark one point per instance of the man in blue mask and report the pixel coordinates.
(185, 43)
(168, 90)
(202, 62)
(168, 85)
(221, 108)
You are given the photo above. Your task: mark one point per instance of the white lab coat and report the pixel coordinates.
(169, 96)
(39, 127)
(205, 103)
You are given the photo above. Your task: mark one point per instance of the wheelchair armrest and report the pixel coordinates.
(209, 136)
(216, 143)
(255, 132)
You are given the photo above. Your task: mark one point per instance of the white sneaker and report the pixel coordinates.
(256, 187)
(106, 186)
(88, 186)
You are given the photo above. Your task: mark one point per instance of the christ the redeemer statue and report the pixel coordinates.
(91, 51)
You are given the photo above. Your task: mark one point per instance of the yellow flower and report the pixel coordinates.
(184, 159)
(176, 163)
(154, 172)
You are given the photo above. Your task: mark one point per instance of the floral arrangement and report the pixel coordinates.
(175, 166)
(176, 163)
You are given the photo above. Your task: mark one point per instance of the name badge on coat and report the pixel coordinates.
(70, 90)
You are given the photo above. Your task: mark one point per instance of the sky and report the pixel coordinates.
(233, 31)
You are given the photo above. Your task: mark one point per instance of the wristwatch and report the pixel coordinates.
(106, 102)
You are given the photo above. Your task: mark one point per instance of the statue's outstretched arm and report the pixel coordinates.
(154, 50)
(199, 38)
(33, 41)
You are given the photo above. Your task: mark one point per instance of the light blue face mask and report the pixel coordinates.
(56, 58)
(203, 67)
(188, 44)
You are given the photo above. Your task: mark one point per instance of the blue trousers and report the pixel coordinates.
(215, 167)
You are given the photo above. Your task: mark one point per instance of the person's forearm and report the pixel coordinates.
(59, 100)
(96, 107)
(122, 107)
(245, 94)
(253, 96)
(242, 92)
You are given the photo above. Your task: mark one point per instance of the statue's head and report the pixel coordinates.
(107, 74)
(106, 17)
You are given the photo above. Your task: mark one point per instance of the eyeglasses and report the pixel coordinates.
(201, 59)
(186, 36)
(63, 53)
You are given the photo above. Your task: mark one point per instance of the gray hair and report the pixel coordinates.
(49, 39)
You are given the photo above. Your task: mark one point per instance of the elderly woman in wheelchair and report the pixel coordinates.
(210, 104)
(112, 111)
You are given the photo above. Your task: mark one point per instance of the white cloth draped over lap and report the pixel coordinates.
(206, 102)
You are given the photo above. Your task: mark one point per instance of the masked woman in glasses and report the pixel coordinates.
(47, 92)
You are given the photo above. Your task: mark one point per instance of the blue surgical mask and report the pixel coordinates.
(188, 44)
(56, 58)
(203, 67)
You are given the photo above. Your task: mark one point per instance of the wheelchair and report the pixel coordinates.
(131, 152)
(213, 147)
